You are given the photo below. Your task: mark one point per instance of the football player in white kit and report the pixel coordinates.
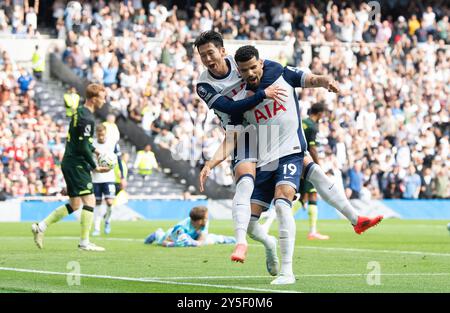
(104, 183)
(216, 87)
(279, 163)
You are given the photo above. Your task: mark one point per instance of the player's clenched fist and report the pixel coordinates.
(333, 85)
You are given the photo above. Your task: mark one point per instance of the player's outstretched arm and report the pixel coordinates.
(314, 81)
(216, 101)
(298, 78)
(226, 147)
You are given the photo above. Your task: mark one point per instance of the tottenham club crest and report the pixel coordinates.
(202, 92)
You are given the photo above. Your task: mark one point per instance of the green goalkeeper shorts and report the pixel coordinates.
(78, 178)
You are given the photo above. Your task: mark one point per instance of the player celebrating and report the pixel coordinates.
(328, 191)
(76, 166)
(216, 86)
(308, 193)
(104, 183)
(293, 143)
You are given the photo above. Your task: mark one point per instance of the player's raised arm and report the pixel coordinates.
(314, 81)
(298, 78)
(215, 100)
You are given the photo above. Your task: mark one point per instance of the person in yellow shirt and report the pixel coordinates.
(71, 101)
(38, 63)
(121, 172)
(413, 24)
(145, 161)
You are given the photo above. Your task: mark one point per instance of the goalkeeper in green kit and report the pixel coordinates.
(77, 164)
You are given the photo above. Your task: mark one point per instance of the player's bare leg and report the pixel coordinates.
(284, 194)
(257, 232)
(245, 177)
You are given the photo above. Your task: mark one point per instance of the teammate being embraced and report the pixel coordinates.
(77, 164)
(104, 183)
(307, 192)
(216, 87)
(280, 165)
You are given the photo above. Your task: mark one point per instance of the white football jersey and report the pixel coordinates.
(211, 87)
(108, 147)
(278, 125)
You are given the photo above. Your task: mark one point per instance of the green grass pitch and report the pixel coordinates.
(395, 256)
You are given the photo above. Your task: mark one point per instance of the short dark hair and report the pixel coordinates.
(318, 107)
(246, 53)
(198, 213)
(209, 36)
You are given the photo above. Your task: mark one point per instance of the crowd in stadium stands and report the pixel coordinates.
(386, 135)
(31, 143)
(18, 18)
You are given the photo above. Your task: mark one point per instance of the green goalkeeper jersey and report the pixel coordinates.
(79, 149)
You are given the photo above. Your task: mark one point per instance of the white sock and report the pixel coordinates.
(241, 210)
(271, 216)
(98, 214)
(257, 232)
(331, 193)
(84, 242)
(108, 214)
(42, 226)
(287, 232)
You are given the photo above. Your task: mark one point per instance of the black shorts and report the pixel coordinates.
(78, 178)
(306, 187)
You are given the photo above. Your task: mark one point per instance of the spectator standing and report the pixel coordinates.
(426, 190)
(71, 101)
(356, 179)
(145, 162)
(412, 184)
(441, 184)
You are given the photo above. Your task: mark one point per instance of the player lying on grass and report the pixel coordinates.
(190, 232)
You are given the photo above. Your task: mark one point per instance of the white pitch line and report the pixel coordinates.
(301, 275)
(74, 238)
(259, 245)
(144, 280)
(378, 251)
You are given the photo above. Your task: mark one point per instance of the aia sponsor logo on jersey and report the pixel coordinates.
(268, 111)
